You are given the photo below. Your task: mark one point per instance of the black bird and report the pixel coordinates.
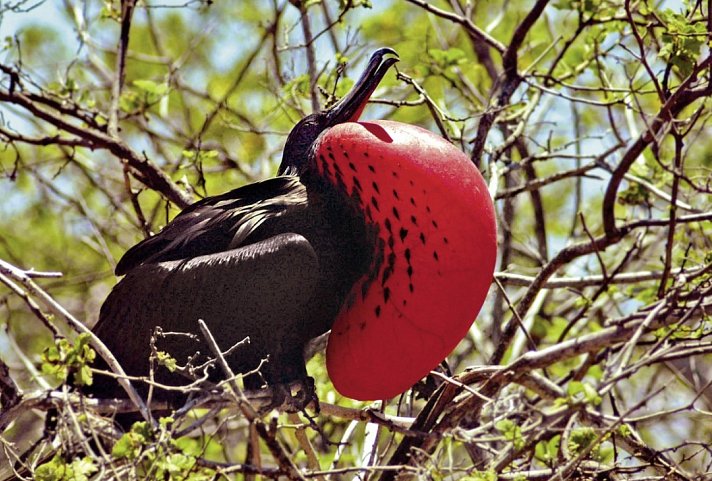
(271, 261)
(380, 231)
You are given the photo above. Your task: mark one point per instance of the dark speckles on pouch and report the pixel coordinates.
(375, 187)
(445, 240)
(376, 266)
(414, 220)
(352, 166)
(362, 325)
(327, 170)
(427, 208)
(394, 174)
(375, 203)
(386, 274)
(356, 196)
(435, 256)
(403, 233)
(339, 179)
(370, 167)
(388, 270)
(391, 242)
(387, 223)
(369, 215)
(377, 311)
(396, 213)
(395, 194)
(386, 294)
(412, 202)
(331, 155)
(345, 154)
(435, 224)
(422, 238)
(391, 259)
(357, 184)
(409, 270)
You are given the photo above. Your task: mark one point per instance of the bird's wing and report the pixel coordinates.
(252, 291)
(217, 224)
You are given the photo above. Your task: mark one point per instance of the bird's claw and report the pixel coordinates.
(294, 397)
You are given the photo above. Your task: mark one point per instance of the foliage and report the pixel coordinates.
(158, 455)
(590, 119)
(59, 470)
(67, 361)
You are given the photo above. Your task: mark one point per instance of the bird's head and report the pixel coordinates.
(295, 159)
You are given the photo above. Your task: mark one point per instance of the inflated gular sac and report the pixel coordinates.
(434, 257)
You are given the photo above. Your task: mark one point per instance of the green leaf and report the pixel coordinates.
(604, 454)
(511, 432)
(624, 430)
(547, 451)
(152, 88)
(166, 422)
(65, 359)
(635, 194)
(83, 377)
(682, 40)
(177, 463)
(583, 392)
(59, 470)
(595, 372)
(445, 59)
(166, 360)
(53, 470)
(564, 4)
(126, 447)
(82, 468)
(580, 439)
(131, 443)
(574, 388)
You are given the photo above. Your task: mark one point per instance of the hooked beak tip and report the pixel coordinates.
(350, 107)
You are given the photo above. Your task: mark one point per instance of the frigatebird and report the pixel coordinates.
(380, 231)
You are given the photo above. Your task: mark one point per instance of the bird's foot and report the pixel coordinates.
(294, 397)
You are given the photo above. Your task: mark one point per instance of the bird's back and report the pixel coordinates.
(271, 262)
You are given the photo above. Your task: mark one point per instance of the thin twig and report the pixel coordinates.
(247, 410)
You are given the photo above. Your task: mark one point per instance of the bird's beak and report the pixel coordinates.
(349, 108)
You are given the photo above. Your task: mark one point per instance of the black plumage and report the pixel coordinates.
(275, 271)
(271, 261)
